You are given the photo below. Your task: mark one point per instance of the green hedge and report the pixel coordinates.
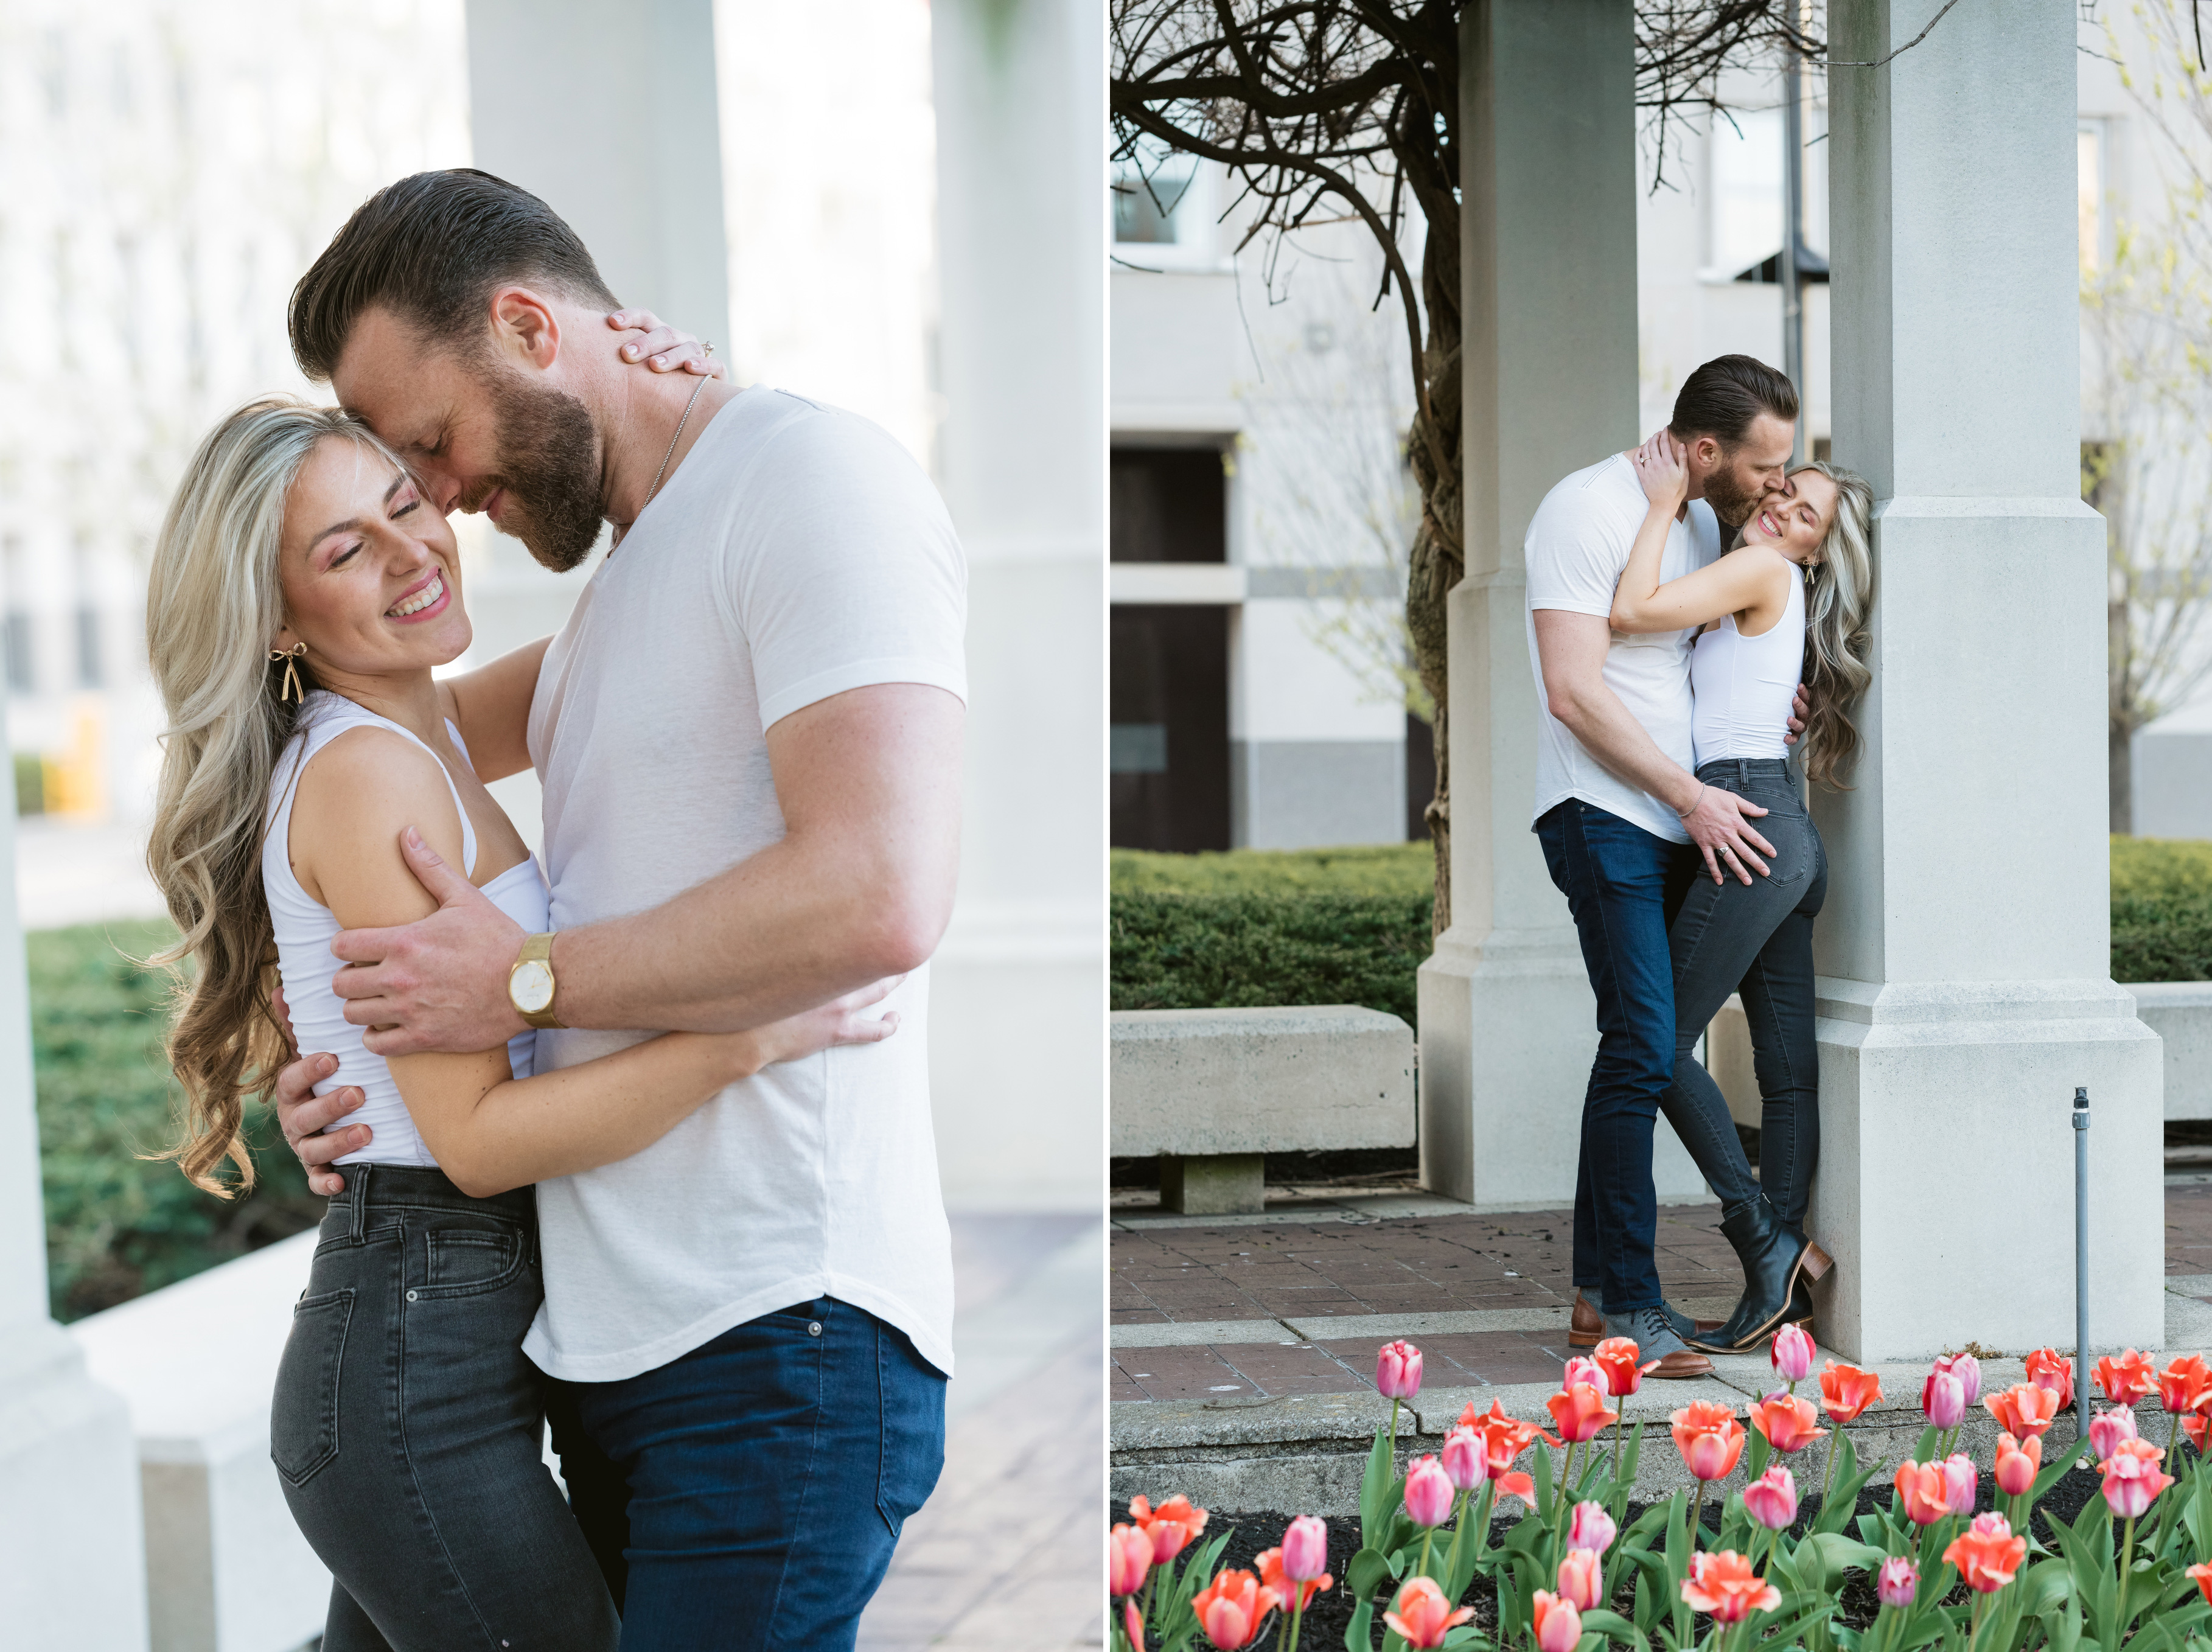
(1406, 869)
(119, 1224)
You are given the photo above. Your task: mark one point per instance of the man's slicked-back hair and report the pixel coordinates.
(1721, 399)
(431, 249)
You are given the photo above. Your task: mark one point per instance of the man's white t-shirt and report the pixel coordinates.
(1577, 545)
(796, 552)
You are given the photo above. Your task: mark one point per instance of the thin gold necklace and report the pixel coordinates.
(671, 453)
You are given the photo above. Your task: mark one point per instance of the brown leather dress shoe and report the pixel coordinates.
(1586, 1327)
(1682, 1363)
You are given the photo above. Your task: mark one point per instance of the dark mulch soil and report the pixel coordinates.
(1330, 1614)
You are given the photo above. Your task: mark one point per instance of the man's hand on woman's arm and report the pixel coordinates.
(1572, 647)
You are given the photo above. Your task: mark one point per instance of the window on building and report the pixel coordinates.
(1420, 777)
(21, 663)
(1169, 505)
(1168, 743)
(1152, 187)
(2089, 190)
(1744, 209)
(90, 667)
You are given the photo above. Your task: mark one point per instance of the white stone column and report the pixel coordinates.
(1965, 986)
(1018, 1025)
(72, 1554)
(1507, 1026)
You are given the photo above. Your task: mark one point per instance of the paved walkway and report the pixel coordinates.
(1295, 1302)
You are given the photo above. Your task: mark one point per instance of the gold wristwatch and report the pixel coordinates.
(530, 984)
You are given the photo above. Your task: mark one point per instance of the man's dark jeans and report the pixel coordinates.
(749, 1493)
(1623, 886)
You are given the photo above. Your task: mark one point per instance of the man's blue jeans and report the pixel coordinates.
(1623, 886)
(748, 1494)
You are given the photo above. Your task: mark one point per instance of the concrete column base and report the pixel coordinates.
(75, 1574)
(1945, 1184)
(1214, 1184)
(1508, 1030)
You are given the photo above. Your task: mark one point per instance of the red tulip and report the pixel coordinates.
(1846, 1392)
(1171, 1526)
(2049, 1368)
(1128, 1559)
(1582, 1579)
(1616, 1357)
(2127, 1378)
(1771, 1499)
(2024, 1409)
(2132, 1479)
(2194, 1427)
(2017, 1463)
(2203, 1574)
(1289, 1591)
(1709, 1437)
(1133, 1625)
(1505, 1438)
(2186, 1384)
(1423, 1617)
(1987, 1555)
(1722, 1587)
(1428, 1491)
(1580, 1412)
(1921, 1489)
(1398, 1370)
(1787, 1423)
(1791, 1354)
(1557, 1624)
(1231, 1608)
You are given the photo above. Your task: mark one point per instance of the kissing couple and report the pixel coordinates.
(1694, 604)
(636, 1140)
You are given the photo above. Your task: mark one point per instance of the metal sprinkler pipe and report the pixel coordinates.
(2081, 1261)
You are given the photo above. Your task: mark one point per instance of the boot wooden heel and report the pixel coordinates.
(1815, 1263)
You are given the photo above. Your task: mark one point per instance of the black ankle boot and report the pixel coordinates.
(1776, 1264)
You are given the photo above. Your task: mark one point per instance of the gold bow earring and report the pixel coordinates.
(290, 688)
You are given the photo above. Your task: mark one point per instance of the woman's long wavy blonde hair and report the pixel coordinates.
(213, 605)
(1839, 607)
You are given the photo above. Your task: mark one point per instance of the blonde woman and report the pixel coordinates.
(303, 590)
(1788, 603)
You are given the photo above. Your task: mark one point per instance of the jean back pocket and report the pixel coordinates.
(303, 1413)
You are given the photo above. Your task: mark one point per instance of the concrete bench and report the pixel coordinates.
(1211, 1092)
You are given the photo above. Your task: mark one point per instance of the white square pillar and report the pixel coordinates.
(1965, 986)
(1507, 1026)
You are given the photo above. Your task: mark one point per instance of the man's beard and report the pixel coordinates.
(548, 463)
(1729, 501)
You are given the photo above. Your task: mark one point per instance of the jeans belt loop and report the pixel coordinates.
(1744, 772)
(359, 1175)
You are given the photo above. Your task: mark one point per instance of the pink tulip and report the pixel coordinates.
(1466, 1458)
(1128, 1559)
(1582, 1580)
(1771, 1499)
(1305, 1549)
(1791, 1354)
(1559, 1626)
(1132, 1624)
(2017, 1462)
(1961, 1480)
(1398, 1370)
(1967, 1370)
(1590, 1527)
(2108, 1428)
(1580, 1370)
(1429, 1492)
(1943, 1398)
(1897, 1582)
(2132, 1479)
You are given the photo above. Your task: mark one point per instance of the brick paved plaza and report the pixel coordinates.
(1246, 1306)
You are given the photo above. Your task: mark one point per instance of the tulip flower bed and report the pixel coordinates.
(1514, 1534)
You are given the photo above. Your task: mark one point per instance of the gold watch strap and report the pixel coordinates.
(539, 948)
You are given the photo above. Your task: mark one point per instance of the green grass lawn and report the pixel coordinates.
(119, 1224)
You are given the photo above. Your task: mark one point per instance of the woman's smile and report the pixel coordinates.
(422, 599)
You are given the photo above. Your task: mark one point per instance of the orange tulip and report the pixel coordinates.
(1787, 1423)
(2203, 1574)
(1580, 1412)
(1132, 1624)
(2194, 1426)
(1503, 1439)
(1289, 1592)
(2127, 1378)
(1171, 1526)
(1423, 1617)
(2017, 1462)
(1616, 1357)
(1987, 1554)
(1722, 1587)
(1709, 1437)
(1846, 1392)
(2024, 1409)
(2049, 1368)
(1231, 1608)
(1582, 1579)
(2186, 1384)
(1921, 1489)
(1555, 1623)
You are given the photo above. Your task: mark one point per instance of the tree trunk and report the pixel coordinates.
(1438, 559)
(2121, 770)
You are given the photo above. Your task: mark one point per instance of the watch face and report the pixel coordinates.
(531, 986)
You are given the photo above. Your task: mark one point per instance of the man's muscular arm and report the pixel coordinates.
(1572, 647)
(859, 888)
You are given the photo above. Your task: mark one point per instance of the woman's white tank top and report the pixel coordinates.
(304, 929)
(1743, 685)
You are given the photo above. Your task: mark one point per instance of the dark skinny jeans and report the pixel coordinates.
(1756, 940)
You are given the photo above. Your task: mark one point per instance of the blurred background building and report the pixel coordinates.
(892, 206)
